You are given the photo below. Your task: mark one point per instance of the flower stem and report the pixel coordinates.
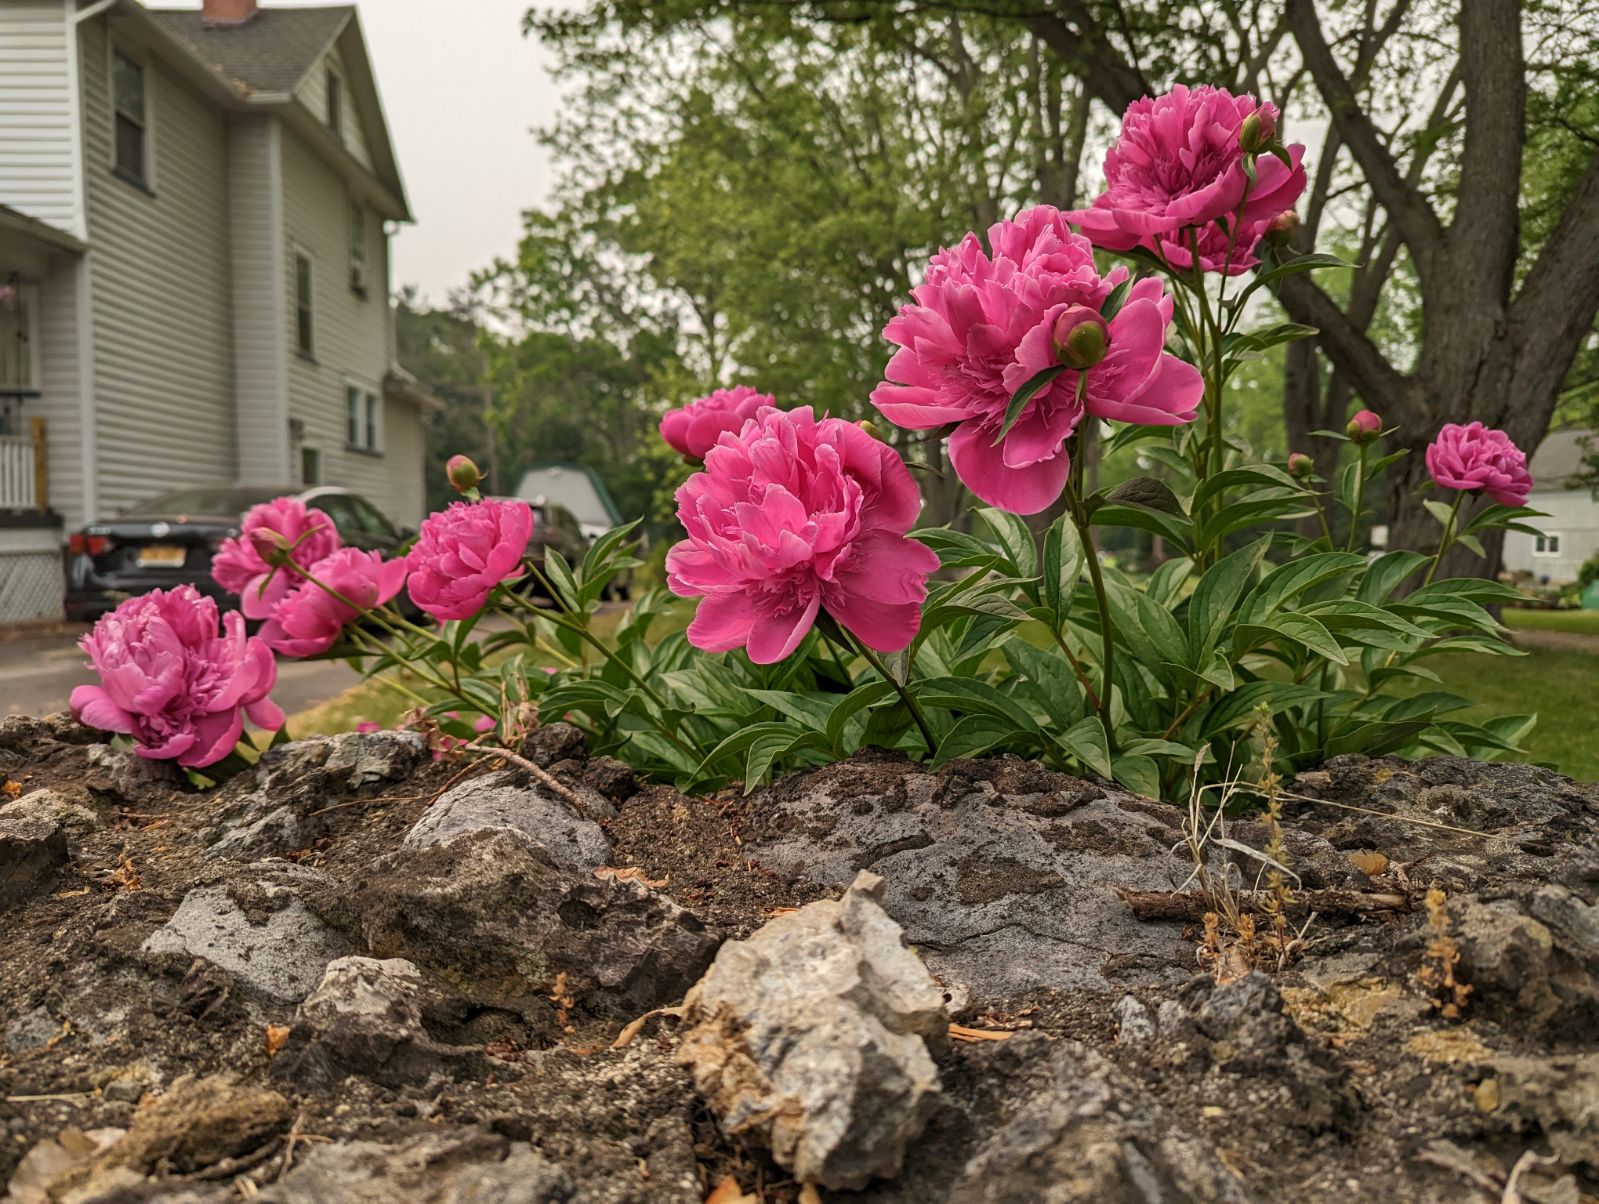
(905, 695)
(1359, 499)
(1444, 543)
(1074, 506)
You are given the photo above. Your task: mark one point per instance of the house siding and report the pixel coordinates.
(349, 339)
(1574, 516)
(163, 340)
(313, 94)
(61, 379)
(258, 233)
(38, 167)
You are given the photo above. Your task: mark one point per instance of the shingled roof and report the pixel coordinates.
(1559, 458)
(269, 54)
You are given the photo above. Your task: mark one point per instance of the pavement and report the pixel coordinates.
(38, 672)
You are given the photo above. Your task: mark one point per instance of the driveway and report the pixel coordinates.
(37, 673)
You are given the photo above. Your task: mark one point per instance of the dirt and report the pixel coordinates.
(1335, 1072)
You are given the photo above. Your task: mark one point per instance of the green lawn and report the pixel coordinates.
(1562, 688)
(1585, 622)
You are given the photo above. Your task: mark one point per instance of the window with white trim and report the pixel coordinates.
(304, 301)
(363, 420)
(336, 106)
(357, 248)
(1546, 544)
(130, 153)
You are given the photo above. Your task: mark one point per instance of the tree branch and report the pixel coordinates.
(1413, 217)
(1487, 209)
(1346, 344)
(1105, 72)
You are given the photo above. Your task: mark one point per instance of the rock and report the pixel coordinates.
(612, 778)
(1083, 1131)
(30, 1030)
(197, 1122)
(33, 846)
(1557, 1097)
(366, 1018)
(812, 1034)
(54, 805)
(132, 776)
(1133, 1021)
(1531, 958)
(554, 742)
(280, 952)
(1001, 873)
(281, 804)
(433, 1168)
(496, 919)
(496, 802)
(24, 734)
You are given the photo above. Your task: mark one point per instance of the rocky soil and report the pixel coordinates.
(355, 973)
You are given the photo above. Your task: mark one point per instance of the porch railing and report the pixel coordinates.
(24, 484)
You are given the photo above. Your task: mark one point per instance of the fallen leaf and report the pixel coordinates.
(961, 1033)
(276, 1035)
(773, 912)
(1370, 864)
(729, 1192)
(631, 873)
(625, 1037)
(809, 1194)
(14, 789)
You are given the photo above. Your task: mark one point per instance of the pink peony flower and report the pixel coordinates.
(1217, 250)
(366, 727)
(982, 326)
(171, 682)
(309, 619)
(693, 430)
(792, 516)
(464, 551)
(241, 566)
(485, 723)
(1476, 458)
(1180, 162)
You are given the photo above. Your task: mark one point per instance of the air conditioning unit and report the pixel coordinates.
(358, 275)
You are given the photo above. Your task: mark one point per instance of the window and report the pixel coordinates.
(1547, 544)
(310, 466)
(336, 106)
(130, 144)
(362, 420)
(303, 290)
(372, 521)
(357, 248)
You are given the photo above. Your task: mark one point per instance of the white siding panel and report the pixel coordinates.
(313, 94)
(1574, 516)
(163, 339)
(37, 169)
(260, 339)
(350, 339)
(59, 382)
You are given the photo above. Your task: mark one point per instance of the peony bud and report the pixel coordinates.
(872, 429)
(1281, 228)
(270, 546)
(1300, 465)
(1364, 427)
(1256, 132)
(1080, 337)
(464, 475)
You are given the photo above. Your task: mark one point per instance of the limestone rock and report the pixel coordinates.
(366, 1017)
(433, 1168)
(280, 951)
(198, 1121)
(280, 805)
(1001, 873)
(813, 1035)
(494, 917)
(53, 805)
(498, 801)
(131, 776)
(33, 846)
(552, 743)
(1084, 1132)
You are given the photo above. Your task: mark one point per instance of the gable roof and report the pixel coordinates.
(269, 55)
(1559, 458)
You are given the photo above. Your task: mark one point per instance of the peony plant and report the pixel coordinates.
(824, 620)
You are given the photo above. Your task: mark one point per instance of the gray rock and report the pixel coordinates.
(1001, 873)
(493, 916)
(30, 1030)
(55, 806)
(33, 846)
(1084, 1132)
(1134, 1024)
(366, 1017)
(497, 801)
(281, 804)
(460, 1167)
(1557, 1097)
(551, 743)
(813, 1036)
(131, 775)
(280, 954)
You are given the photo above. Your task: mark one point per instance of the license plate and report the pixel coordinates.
(159, 556)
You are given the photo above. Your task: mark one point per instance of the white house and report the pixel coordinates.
(1570, 535)
(195, 209)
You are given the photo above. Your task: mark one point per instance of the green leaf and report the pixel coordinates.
(861, 698)
(1023, 395)
(1300, 628)
(812, 710)
(1062, 564)
(1385, 574)
(972, 697)
(1287, 582)
(1015, 537)
(559, 572)
(1303, 263)
(1441, 511)
(1149, 492)
(1178, 531)
(1146, 627)
(1167, 581)
(1239, 706)
(1114, 302)
(1237, 478)
(1252, 511)
(1218, 592)
(766, 750)
(1087, 742)
(972, 736)
(1138, 774)
(1271, 336)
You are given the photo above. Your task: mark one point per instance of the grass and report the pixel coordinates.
(1561, 687)
(1583, 622)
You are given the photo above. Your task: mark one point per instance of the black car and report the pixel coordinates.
(170, 540)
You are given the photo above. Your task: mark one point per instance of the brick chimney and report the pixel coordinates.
(223, 13)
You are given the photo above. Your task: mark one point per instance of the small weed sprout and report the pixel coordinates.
(1437, 974)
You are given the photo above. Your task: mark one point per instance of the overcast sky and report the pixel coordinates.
(461, 88)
